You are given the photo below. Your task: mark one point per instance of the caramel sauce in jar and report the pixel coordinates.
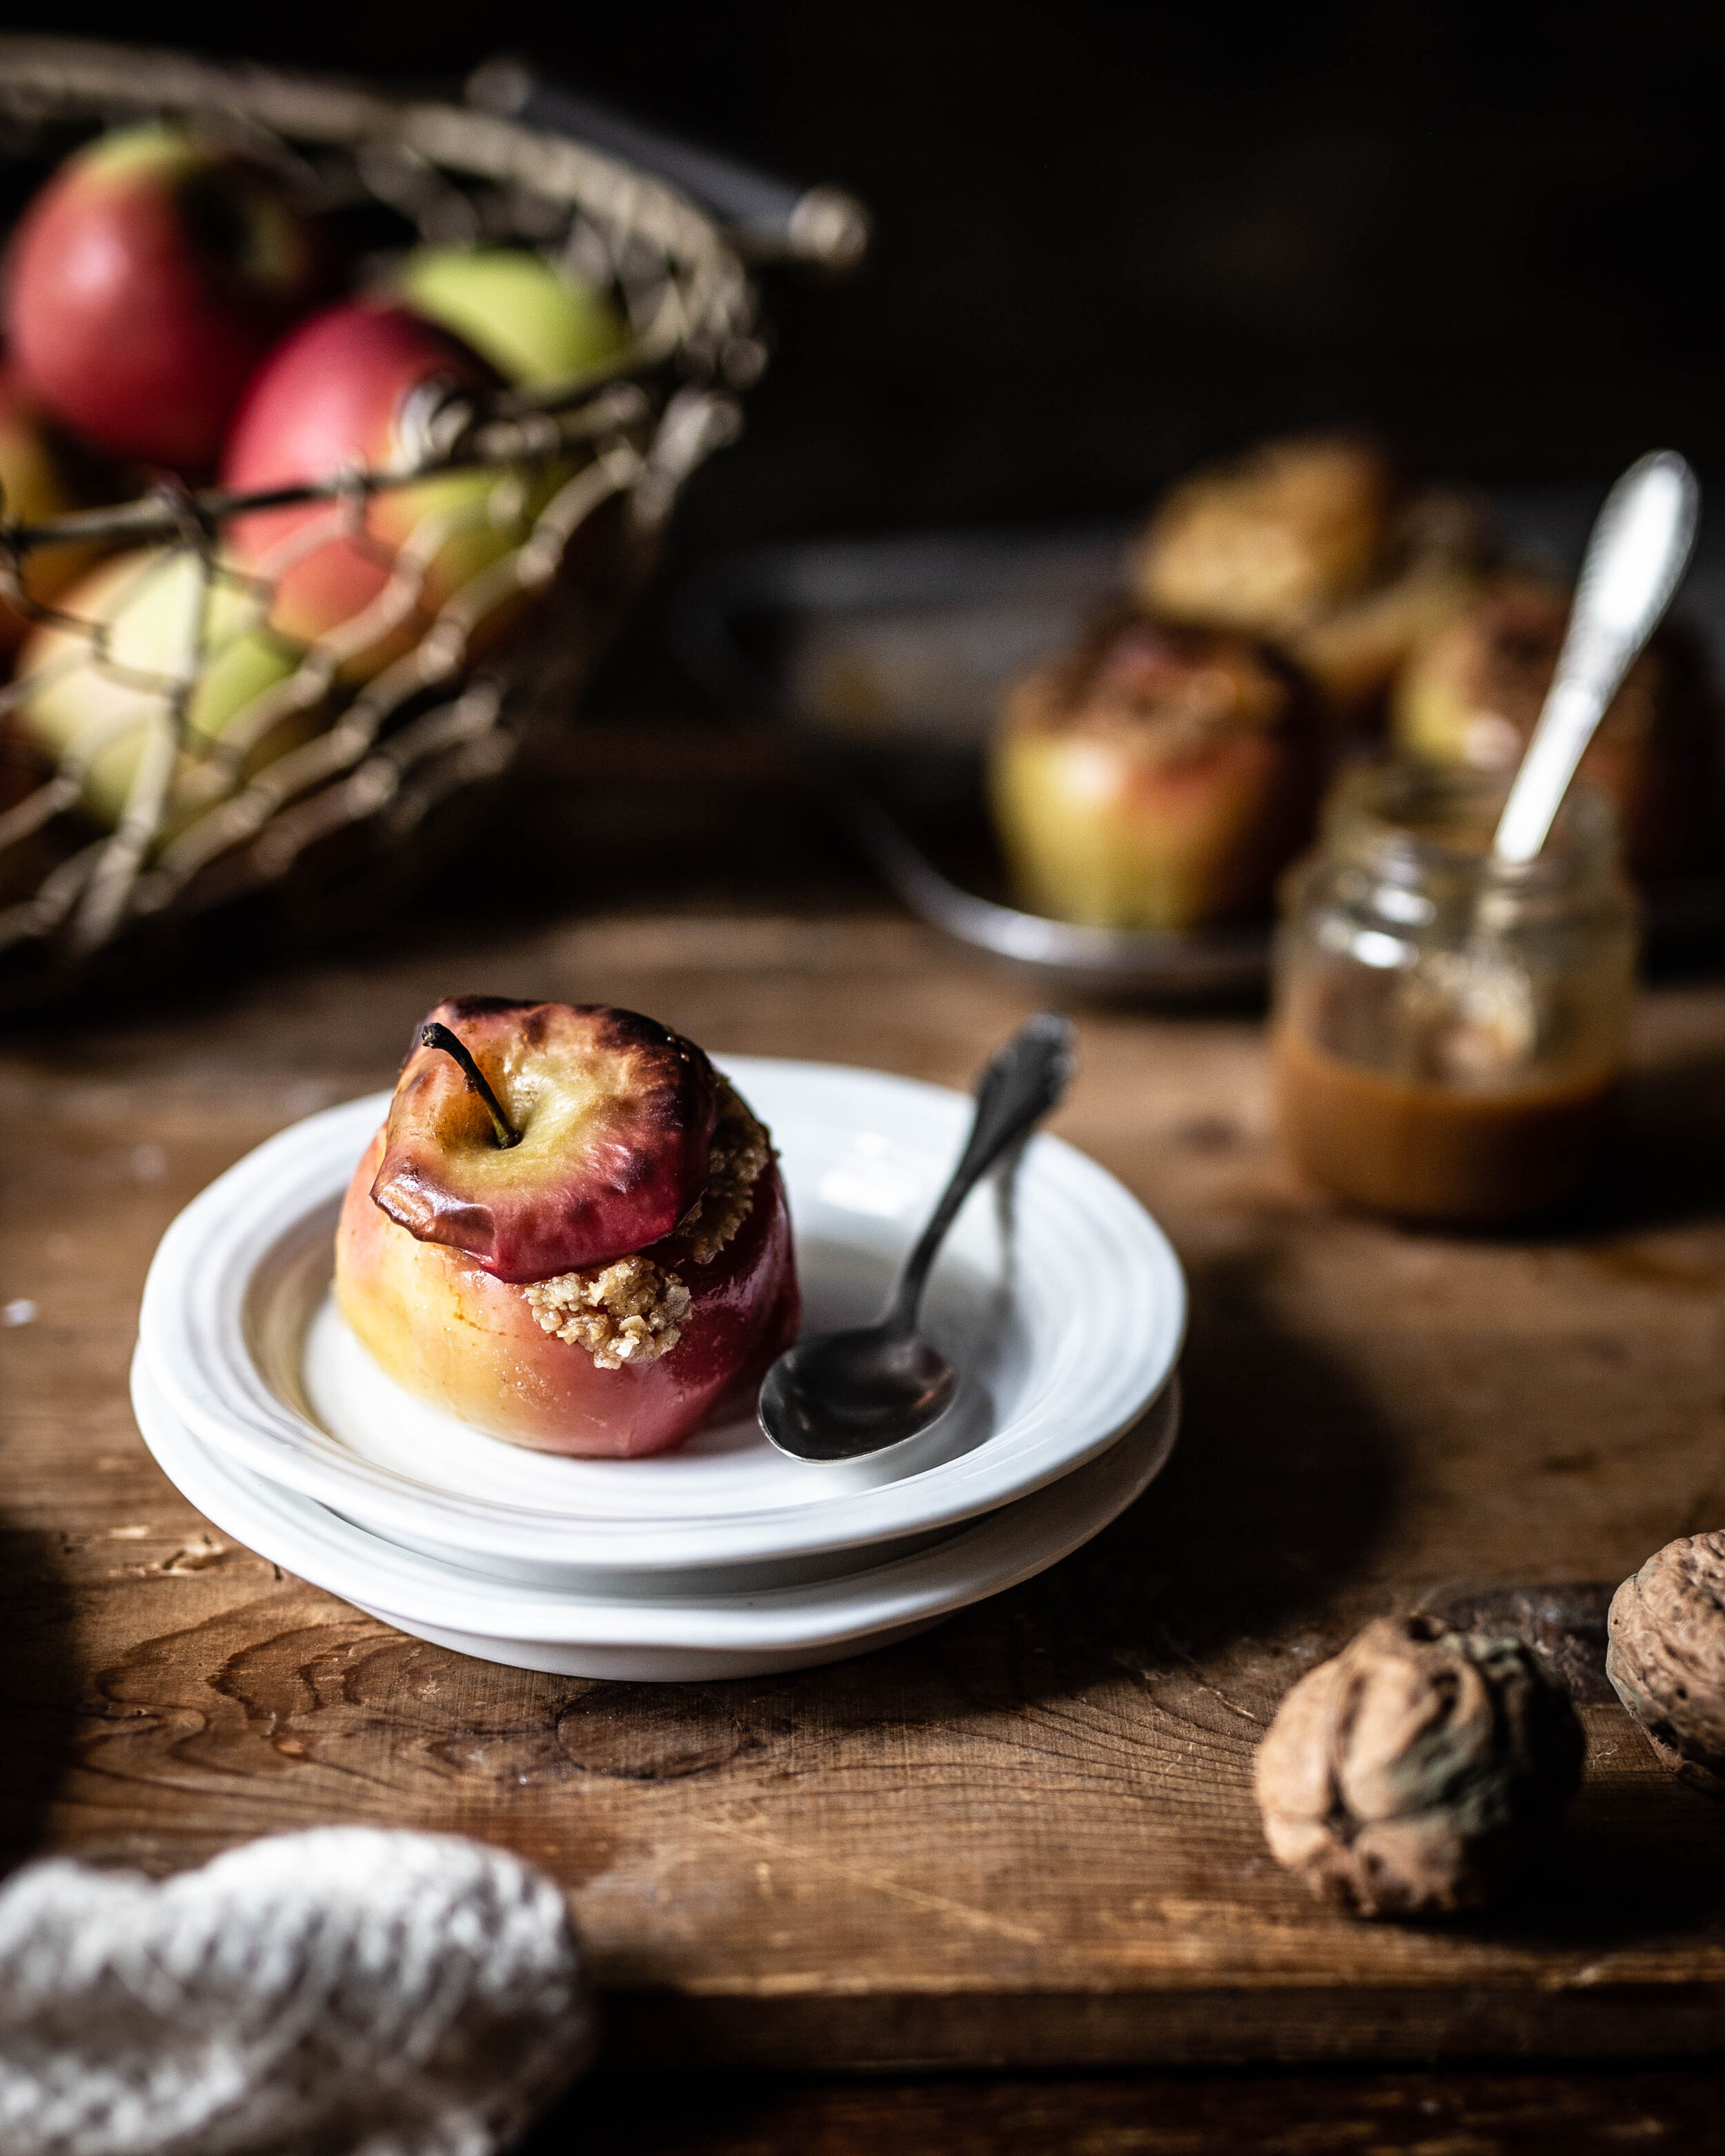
(1448, 1036)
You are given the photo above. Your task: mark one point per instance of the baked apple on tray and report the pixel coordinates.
(571, 1230)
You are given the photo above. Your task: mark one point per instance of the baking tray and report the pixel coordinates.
(887, 660)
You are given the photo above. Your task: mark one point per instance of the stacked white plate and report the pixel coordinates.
(1057, 1297)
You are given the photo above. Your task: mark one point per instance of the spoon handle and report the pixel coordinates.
(1635, 558)
(1024, 1081)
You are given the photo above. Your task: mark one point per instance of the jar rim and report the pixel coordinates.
(1412, 818)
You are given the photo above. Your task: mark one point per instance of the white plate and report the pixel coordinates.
(656, 1638)
(1057, 1296)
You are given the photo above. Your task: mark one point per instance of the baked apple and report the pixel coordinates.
(1161, 778)
(1316, 544)
(571, 1230)
(1471, 693)
(1271, 542)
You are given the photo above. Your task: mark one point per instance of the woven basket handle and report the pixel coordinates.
(767, 219)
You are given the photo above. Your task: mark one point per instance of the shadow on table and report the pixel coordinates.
(1282, 1479)
(1553, 2106)
(1281, 1482)
(38, 1686)
(1562, 2107)
(1666, 1162)
(1637, 1862)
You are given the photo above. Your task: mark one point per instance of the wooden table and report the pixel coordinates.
(1025, 1841)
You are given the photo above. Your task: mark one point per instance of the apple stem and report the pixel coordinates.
(431, 1034)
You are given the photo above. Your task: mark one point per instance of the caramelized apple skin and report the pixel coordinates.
(615, 1115)
(1159, 778)
(1316, 543)
(450, 1331)
(1271, 542)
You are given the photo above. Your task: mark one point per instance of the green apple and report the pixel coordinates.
(148, 603)
(535, 325)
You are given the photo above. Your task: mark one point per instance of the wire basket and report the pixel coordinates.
(348, 768)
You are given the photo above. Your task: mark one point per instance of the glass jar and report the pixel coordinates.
(1449, 1034)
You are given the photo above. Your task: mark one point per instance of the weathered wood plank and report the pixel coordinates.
(1027, 1837)
(1465, 2113)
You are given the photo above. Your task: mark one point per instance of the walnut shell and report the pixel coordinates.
(1665, 1655)
(1412, 1774)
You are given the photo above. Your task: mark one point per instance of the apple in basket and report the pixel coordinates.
(145, 283)
(570, 1231)
(100, 681)
(370, 575)
(537, 323)
(39, 479)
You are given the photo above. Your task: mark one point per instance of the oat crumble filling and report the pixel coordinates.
(740, 1150)
(632, 1310)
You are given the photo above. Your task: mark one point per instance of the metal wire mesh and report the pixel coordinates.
(495, 555)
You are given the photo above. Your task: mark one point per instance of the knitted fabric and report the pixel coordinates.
(346, 1992)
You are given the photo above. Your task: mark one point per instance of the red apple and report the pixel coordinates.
(614, 1114)
(634, 1349)
(145, 282)
(331, 398)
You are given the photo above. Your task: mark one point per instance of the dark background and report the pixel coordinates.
(1115, 239)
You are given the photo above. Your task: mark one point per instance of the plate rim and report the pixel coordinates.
(993, 1554)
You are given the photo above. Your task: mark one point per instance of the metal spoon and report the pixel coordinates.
(842, 1395)
(1639, 548)
(1479, 997)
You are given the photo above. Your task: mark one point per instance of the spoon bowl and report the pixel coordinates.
(841, 1395)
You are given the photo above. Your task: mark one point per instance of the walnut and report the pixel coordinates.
(1411, 1775)
(1665, 1655)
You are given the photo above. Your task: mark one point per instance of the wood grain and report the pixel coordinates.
(1027, 1838)
(1457, 2113)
